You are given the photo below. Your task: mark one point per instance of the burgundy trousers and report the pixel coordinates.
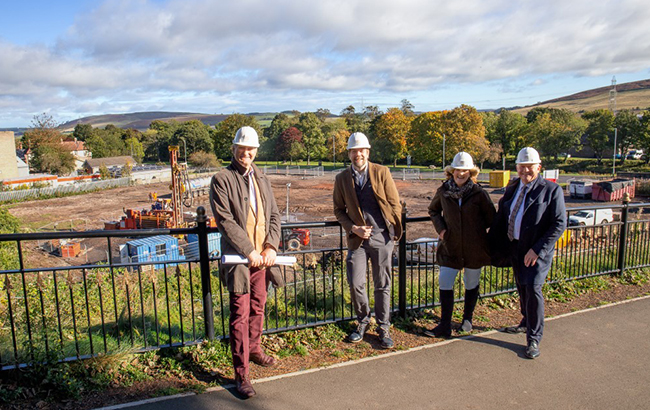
(247, 321)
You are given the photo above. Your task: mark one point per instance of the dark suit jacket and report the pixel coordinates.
(542, 224)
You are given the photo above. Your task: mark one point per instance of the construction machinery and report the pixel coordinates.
(165, 213)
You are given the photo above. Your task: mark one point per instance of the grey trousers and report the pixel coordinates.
(379, 248)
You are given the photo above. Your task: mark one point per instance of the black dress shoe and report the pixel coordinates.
(385, 339)
(532, 350)
(357, 335)
(442, 331)
(515, 329)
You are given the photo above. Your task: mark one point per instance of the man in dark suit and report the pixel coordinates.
(531, 218)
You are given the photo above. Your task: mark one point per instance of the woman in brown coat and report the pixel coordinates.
(461, 212)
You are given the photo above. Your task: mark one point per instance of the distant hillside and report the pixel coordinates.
(634, 96)
(141, 120)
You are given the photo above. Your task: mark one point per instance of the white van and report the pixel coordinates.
(591, 217)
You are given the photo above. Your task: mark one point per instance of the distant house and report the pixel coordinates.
(78, 151)
(8, 159)
(91, 166)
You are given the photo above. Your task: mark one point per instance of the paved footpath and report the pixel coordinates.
(595, 359)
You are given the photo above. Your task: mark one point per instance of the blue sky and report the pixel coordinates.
(77, 58)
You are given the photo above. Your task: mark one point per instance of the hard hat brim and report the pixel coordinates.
(243, 144)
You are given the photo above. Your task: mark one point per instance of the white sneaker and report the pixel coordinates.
(466, 326)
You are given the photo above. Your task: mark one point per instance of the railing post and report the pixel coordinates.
(401, 270)
(622, 244)
(204, 262)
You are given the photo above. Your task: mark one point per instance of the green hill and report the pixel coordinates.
(633, 96)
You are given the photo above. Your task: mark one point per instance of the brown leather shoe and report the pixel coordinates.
(244, 386)
(262, 359)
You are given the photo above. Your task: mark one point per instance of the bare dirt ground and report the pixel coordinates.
(309, 200)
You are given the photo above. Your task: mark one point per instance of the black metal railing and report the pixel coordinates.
(49, 306)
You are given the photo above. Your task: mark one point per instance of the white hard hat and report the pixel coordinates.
(247, 137)
(528, 155)
(358, 140)
(462, 160)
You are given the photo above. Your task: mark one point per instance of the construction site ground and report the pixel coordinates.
(309, 200)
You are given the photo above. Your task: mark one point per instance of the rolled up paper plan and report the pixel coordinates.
(238, 259)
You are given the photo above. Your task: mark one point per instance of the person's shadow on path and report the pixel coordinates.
(517, 348)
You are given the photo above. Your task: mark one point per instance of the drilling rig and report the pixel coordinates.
(161, 215)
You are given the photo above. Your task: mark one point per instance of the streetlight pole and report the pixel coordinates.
(287, 210)
(443, 150)
(334, 150)
(614, 161)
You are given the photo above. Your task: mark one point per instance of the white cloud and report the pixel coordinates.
(174, 50)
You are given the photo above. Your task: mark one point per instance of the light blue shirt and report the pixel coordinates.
(520, 211)
(360, 176)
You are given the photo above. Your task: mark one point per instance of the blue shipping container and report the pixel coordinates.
(214, 246)
(154, 249)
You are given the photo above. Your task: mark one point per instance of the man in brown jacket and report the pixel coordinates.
(366, 204)
(249, 221)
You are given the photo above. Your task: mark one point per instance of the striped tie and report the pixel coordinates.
(513, 213)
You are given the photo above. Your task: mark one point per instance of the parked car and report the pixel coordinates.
(420, 251)
(591, 217)
(635, 154)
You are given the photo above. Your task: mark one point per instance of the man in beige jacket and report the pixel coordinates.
(366, 204)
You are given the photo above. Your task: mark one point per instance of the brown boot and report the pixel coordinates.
(262, 359)
(244, 386)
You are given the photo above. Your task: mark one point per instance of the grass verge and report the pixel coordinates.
(170, 371)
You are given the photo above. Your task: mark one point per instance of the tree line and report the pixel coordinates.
(394, 134)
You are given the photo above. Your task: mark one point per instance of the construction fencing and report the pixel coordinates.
(27, 194)
(298, 171)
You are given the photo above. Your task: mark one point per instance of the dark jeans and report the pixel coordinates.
(247, 321)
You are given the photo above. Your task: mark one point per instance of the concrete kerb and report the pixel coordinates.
(365, 359)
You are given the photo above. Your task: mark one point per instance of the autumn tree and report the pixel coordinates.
(290, 145)
(313, 138)
(226, 130)
(390, 131)
(272, 134)
(134, 148)
(104, 172)
(424, 140)
(44, 141)
(204, 160)
(463, 130)
(600, 127)
(126, 170)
